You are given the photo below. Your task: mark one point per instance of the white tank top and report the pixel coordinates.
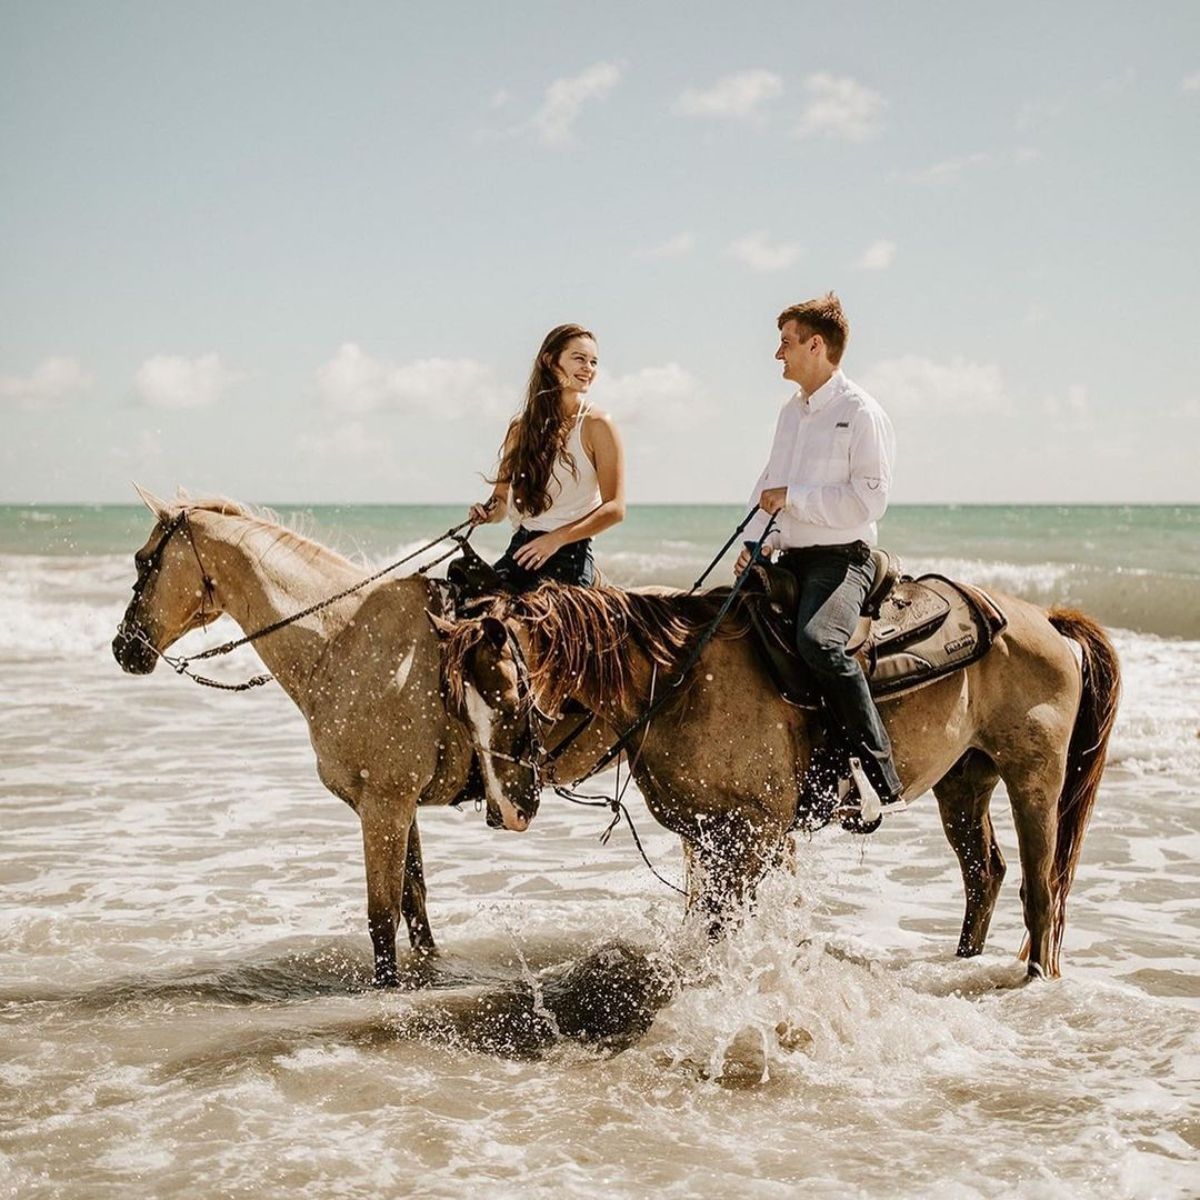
(570, 496)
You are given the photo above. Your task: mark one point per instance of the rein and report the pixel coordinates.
(181, 664)
(570, 739)
(616, 804)
(621, 743)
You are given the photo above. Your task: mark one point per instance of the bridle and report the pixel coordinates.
(180, 665)
(529, 749)
(624, 742)
(149, 566)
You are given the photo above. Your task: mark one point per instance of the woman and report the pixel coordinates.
(561, 469)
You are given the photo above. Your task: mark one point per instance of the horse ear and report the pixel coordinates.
(441, 626)
(495, 632)
(160, 508)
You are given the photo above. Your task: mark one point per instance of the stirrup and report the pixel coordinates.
(863, 813)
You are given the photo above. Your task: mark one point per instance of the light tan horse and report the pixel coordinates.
(719, 766)
(364, 672)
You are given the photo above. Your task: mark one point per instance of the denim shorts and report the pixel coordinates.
(572, 564)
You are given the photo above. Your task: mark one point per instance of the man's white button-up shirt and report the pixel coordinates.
(833, 451)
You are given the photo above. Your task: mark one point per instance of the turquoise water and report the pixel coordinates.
(1134, 567)
(1130, 537)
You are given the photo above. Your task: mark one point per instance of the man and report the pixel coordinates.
(827, 479)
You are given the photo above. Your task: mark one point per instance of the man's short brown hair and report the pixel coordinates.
(824, 317)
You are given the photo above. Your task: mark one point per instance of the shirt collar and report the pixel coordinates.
(822, 396)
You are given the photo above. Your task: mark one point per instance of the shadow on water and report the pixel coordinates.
(308, 973)
(606, 999)
(489, 998)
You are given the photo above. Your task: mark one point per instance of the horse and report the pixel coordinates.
(720, 764)
(363, 671)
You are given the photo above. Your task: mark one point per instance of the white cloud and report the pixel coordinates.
(878, 256)
(1074, 407)
(350, 442)
(448, 388)
(675, 247)
(170, 381)
(499, 99)
(1190, 83)
(52, 380)
(840, 107)
(668, 395)
(950, 169)
(737, 95)
(761, 254)
(1039, 114)
(916, 384)
(565, 98)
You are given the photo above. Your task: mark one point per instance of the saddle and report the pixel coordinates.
(472, 579)
(910, 632)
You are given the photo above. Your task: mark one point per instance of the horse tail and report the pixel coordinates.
(1085, 755)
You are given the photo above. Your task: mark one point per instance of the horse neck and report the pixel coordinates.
(263, 574)
(619, 711)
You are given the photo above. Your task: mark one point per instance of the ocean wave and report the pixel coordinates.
(1148, 601)
(1158, 726)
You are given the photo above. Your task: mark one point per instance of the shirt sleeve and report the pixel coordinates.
(758, 522)
(864, 498)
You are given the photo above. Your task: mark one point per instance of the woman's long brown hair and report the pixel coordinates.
(537, 438)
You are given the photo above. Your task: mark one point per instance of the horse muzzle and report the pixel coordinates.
(134, 655)
(511, 814)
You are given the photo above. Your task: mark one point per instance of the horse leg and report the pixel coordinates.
(386, 823)
(412, 900)
(733, 856)
(964, 794)
(1033, 788)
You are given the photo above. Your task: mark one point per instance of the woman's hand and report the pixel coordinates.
(487, 512)
(537, 553)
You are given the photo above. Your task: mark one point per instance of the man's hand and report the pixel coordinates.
(772, 500)
(743, 561)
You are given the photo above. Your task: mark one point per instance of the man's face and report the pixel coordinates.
(802, 354)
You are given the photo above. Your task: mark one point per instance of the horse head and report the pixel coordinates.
(487, 682)
(172, 593)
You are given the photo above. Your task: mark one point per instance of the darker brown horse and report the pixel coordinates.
(719, 766)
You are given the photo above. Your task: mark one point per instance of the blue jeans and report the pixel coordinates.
(834, 581)
(572, 564)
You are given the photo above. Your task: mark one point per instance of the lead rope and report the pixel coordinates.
(616, 803)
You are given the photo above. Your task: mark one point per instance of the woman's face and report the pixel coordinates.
(577, 363)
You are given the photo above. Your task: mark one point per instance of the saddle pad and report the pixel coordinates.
(920, 654)
(910, 610)
(927, 628)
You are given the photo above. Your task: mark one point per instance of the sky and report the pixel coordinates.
(305, 252)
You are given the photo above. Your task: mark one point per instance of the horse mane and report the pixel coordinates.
(261, 518)
(591, 637)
